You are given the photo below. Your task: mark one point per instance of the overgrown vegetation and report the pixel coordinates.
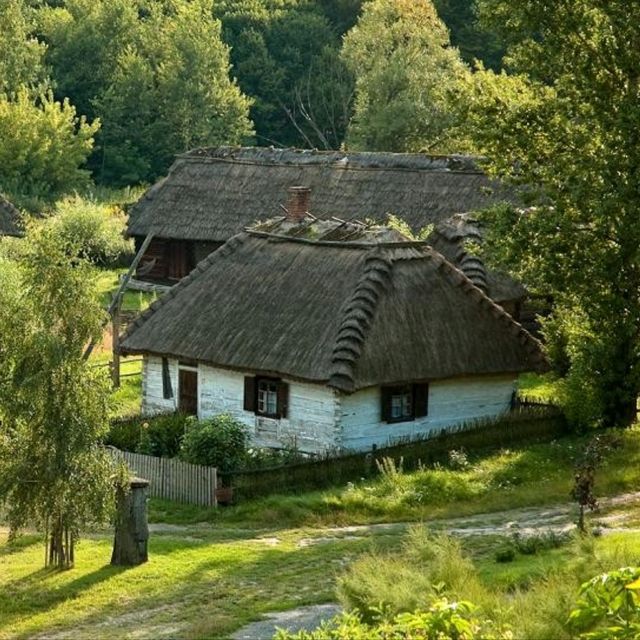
(525, 476)
(432, 589)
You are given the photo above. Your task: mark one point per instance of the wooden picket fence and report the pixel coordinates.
(172, 479)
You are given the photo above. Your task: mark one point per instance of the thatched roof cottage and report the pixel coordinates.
(9, 219)
(329, 334)
(210, 195)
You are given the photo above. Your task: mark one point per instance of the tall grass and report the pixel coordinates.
(430, 567)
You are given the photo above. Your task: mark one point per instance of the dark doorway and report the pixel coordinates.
(188, 387)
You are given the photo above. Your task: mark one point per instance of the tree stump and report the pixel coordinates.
(132, 531)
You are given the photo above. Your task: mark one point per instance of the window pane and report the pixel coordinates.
(396, 406)
(406, 405)
(272, 402)
(268, 397)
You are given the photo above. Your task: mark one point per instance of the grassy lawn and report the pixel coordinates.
(204, 583)
(197, 585)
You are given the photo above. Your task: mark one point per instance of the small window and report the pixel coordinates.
(267, 397)
(401, 403)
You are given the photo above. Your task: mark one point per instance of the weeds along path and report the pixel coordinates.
(614, 515)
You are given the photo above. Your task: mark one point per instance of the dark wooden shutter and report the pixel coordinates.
(250, 393)
(167, 390)
(385, 403)
(283, 400)
(421, 399)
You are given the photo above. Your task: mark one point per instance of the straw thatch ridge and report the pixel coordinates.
(350, 315)
(454, 237)
(358, 317)
(212, 194)
(10, 219)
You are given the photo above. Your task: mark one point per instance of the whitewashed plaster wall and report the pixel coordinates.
(311, 424)
(451, 402)
(320, 419)
(153, 401)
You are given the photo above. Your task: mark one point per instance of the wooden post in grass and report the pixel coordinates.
(132, 530)
(115, 343)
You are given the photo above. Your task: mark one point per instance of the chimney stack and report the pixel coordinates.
(298, 204)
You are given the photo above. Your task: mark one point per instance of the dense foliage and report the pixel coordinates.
(53, 404)
(572, 134)
(97, 230)
(217, 442)
(426, 592)
(146, 80)
(406, 79)
(159, 436)
(157, 75)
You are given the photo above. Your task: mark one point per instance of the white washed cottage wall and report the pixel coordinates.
(451, 402)
(311, 425)
(320, 419)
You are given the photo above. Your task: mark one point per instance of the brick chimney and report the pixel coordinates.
(298, 203)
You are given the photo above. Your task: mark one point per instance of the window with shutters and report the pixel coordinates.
(266, 397)
(402, 403)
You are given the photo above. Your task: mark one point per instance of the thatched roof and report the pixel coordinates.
(9, 218)
(454, 239)
(349, 313)
(212, 194)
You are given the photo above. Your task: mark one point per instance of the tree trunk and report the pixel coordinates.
(132, 532)
(60, 547)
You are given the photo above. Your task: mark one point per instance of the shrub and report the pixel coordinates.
(219, 442)
(505, 554)
(97, 231)
(441, 620)
(530, 545)
(162, 435)
(154, 436)
(264, 458)
(458, 459)
(125, 434)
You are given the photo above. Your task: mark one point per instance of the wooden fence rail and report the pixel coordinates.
(172, 479)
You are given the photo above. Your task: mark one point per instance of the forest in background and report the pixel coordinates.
(113, 89)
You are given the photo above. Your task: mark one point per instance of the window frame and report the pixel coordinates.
(270, 382)
(419, 394)
(252, 395)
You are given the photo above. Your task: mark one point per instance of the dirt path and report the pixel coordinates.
(526, 521)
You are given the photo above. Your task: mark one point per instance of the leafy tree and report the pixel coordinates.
(475, 40)
(21, 55)
(405, 75)
(573, 138)
(43, 145)
(53, 404)
(85, 38)
(284, 53)
(156, 73)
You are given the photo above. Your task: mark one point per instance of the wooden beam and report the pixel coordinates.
(117, 298)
